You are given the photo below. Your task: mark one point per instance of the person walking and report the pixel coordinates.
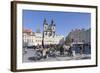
(61, 50)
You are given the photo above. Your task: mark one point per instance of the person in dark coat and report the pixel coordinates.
(61, 50)
(70, 51)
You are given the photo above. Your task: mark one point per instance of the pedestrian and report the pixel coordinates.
(81, 49)
(70, 51)
(61, 50)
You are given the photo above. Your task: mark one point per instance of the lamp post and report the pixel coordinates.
(43, 40)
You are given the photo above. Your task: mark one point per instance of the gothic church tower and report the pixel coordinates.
(52, 28)
(45, 27)
(49, 30)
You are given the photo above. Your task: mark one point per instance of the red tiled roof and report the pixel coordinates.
(27, 30)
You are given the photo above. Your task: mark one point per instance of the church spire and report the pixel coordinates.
(38, 30)
(45, 21)
(52, 22)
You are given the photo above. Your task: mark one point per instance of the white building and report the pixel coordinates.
(48, 36)
(53, 40)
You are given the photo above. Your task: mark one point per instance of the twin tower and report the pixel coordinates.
(48, 29)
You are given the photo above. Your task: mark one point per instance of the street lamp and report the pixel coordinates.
(43, 39)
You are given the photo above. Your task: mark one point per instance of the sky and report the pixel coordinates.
(64, 21)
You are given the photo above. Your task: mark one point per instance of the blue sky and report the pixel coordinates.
(65, 21)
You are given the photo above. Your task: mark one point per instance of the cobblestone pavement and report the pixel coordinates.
(30, 54)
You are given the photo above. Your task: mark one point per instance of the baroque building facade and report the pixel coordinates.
(48, 36)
